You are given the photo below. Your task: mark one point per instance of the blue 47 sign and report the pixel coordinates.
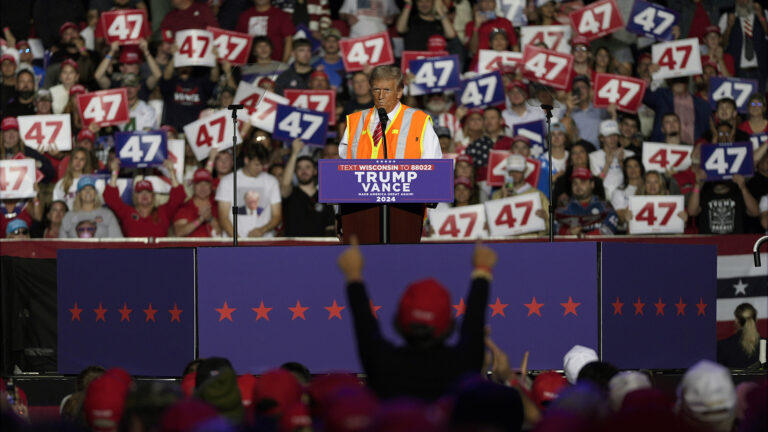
(724, 160)
(758, 140)
(481, 91)
(534, 131)
(738, 89)
(140, 149)
(291, 123)
(652, 20)
(434, 75)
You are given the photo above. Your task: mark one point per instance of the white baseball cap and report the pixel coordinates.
(575, 359)
(609, 127)
(624, 383)
(516, 162)
(707, 394)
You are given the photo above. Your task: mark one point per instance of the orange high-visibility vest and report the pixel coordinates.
(405, 134)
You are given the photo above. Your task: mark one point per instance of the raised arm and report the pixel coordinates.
(290, 167)
(153, 66)
(101, 71)
(472, 333)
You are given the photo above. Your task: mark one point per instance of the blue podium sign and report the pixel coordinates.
(386, 180)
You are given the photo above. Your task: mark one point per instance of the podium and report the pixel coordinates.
(384, 200)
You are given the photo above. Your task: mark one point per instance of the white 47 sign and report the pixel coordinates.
(677, 58)
(17, 179)
(459, 222)
(46, 132)
(514, 215)
(656, 214)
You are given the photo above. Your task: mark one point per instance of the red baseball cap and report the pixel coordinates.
(517, 84)
(86, 134)
(130, 55)
(201, 175)
(280, 387)
(21, 43)
(425, 302)
(77, 89)
(547, 386)
(581, 173)
(10, 123)
(472, 111)
(579, 40)
(464, 158)
(71, 63)
(318, 73)
(68, 25)
(711, 29)
(167, 35)
(521, 138)
(104, 403)
(8, 57)
(462, 181)
(144, 185)
(436, 43)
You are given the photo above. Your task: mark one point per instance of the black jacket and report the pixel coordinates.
(731, 354)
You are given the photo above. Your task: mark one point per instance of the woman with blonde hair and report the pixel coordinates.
(66, 188)
(99, 221)
(741, 350)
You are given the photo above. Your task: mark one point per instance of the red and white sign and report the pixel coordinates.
(17, 179)
(555, 37)
(656, 214)
(215, 130)
(497, 169)
(231, 46)
(127, 26)
(195, 49)
(666, 157)
(490, 60)
(105, 107)
(315, 100)
(548, 67)
(626, 92)
(373, 50)
(407, 56)
(597, 20)
(677, 58)
(261, 110)
(46, 132)
(466, 222)
(515, 215)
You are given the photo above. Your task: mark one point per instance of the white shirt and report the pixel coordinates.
(557, 164)
(59, 194)
(511, 118)
(143, 116)
(764, 204)
(255, 197)
(620, 197)
(370, 15)
(431, 143)
(615, 177)
(723, 24)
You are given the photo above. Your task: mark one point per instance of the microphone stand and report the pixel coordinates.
(234, 108)
(548, 109)
(383, 119)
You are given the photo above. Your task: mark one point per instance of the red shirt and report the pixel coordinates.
(196, 16)
(190, 212)
(275, 23)
(746, 127)
(484, 33)
(155, 225)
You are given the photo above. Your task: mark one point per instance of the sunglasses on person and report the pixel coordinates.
(25, 51)
(86, 229)
(581, 48)
(757, 104)
(20, 231)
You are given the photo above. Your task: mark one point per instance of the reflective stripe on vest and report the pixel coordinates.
(406, 131)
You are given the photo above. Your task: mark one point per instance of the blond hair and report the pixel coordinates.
(387, 72)
(746, 318)
(78, 204)
(69, 176)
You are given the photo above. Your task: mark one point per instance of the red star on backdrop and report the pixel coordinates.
(498, 308)
(374, 309)
(262, 312)
(100, 313)
(460, 308)
(175, 313)
(570, 307)
(680, 307)
(75, 312)
(659, 307)
(639, 307)
(701, 306)
(298, 311)
(225, 312)
(125, 313)
(150, 313)
(334, 310)
(533, 307)
(617, 305)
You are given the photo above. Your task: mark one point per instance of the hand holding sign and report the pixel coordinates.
(466, 222)
(652, 20)
(491, 60)
(597, 20)
(316, 100)
(17, 179)
(556, 37)
(657, 214)
(195, 49)
(481, 91)
(434, 75)
(625, 92)
(260, 104)
(515, 215)
(45, 133)
(309, 126)
(231, 46)
(547, 67)
(676, 59)
(141, 149)
(104, 108)
(126, 27)
(666, 157)
(373, 50)
(216, 130)
(724, 160)
(738, 89)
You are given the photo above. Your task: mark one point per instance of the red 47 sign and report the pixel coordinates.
(260, 104)
(677, 58)
(490, 60)
(627, 93)
(373, 50)
(315, 100)
(195, 49)
(46, 132)
(497, 169)
(17, 179)
(124, 26)
(548, 67)
(656, 214)
(458, 223)
(666, 157)
(105, 107)
(231, 46)
(597, 20)
(215, 130)
(515, 215)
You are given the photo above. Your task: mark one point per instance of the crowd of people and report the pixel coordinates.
(596, 153)
(421, 384)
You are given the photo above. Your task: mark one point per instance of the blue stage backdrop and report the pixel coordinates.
(658, 304)
(128, 308)
(263, 306)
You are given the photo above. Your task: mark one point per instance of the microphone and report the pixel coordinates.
(383, 118)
